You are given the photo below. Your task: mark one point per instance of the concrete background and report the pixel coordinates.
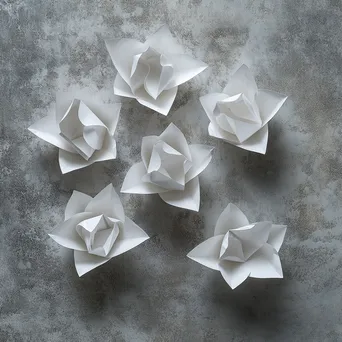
(154, 293)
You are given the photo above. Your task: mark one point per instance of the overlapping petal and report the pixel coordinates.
(97, 229)
(207, 253)
(150, 72)
(240, 250)
(82, 128)
(65, 234)
(134, 184)
(107, 202)
(189, 198)
(239, 115)
(201, 156)
(47, 130)
(130, 236)
(231, 218)
(169, 167)
(76, 204)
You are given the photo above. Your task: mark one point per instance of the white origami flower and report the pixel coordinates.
(152, 71)
(240, 249)
(169, 167)
(96, 229)
(240, 114)
(82, 128)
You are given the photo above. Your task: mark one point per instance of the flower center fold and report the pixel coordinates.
(238, 116)
(83, 129)
(99, 234)
(167, 167)
(240, 244)
(150, 71)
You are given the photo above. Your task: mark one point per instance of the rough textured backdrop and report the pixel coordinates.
(154, 293)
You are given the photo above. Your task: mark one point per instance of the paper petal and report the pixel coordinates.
(201, 156)
(164, 42)
(121, 88)
(207, 253)
(276, 236)
(215, 131)
(107, 202)
(85, 262)
(253, 237)
(234, 273)
(146, 148)
(242, 82)
(174, 137)
(184, 68)
(129, 237)
(162, 104)
(265, 263)
(109, 114)
(65, 233)
(269, 103)
(257, 142)
(76, 204)
(189, 198)
(70, 161)
(47, 129)
(209, 103)
(122, 52)
(231, 217)
(133, 183)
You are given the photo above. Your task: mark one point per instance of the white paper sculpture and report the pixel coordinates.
(169, 167)
(240, 114)
(96, 229)
(240, 249)
(82, 128)
(152, 71)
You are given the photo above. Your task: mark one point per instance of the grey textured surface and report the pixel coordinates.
(154, 293)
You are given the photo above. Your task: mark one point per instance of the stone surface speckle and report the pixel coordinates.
(154, 293)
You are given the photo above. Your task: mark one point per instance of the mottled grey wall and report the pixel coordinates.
(154, 293)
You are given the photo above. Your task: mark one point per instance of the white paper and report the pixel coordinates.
(151, 72)
(240, 249)
(96, 229)
(239, 115)
(82, 128)
(169, 167)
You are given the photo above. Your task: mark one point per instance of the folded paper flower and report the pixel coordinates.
(97, 229)
(239, 115)
(169, 167)
(240, 249)
(151, 72)
(82, 128)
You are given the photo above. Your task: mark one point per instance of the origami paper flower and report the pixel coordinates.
(152, 71)
(240, 249)
(169, 167)
(82, 128)
(96, 229)
(240, 114)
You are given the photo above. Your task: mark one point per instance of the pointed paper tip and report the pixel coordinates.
(124, 190)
